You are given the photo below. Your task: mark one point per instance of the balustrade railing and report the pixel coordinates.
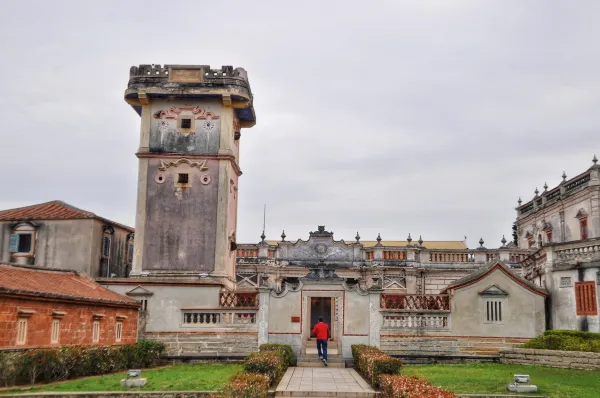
(237, 300)
(448, 257)
(415, 302)
(585, 251)
(416, 321)
(217, 317)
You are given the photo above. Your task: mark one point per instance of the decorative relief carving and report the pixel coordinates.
(174, 112)
(394, 282)
(566, 281)
(165, 164)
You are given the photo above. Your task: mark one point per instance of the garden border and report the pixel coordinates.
(551, 358)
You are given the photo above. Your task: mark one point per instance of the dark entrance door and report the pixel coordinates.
(320, 307)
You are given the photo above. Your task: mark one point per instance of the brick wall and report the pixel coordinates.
(75, 324)
(552, 358)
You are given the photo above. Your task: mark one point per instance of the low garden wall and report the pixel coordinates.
(206, 344)
(552, 358)
(118, 394)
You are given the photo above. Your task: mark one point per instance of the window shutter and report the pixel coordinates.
(585, 298)
(14, 243)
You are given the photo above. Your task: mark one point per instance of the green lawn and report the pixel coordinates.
(493, 377)
(197, 377)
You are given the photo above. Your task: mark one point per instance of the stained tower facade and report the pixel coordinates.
(191, 121)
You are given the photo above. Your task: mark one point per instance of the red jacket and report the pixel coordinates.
(321, 331)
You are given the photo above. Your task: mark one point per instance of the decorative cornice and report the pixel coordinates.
(165, 164)
(231, 158)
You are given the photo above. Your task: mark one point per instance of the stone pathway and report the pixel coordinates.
(323, 382)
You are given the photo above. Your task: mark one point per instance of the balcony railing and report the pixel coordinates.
(218, 317)
(412, 322)
(415, 302)
(449, 257)
(583, 251)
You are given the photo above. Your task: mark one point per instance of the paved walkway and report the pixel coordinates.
(323, 382)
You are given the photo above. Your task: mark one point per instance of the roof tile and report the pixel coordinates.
(56, 283)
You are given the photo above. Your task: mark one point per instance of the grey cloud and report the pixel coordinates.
(392, 117)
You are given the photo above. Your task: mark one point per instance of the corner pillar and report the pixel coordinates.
(264, 295)
(375, 318)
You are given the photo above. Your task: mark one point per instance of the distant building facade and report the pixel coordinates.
(203, 294)
(563, 226)
(55, 308)
(57, 235)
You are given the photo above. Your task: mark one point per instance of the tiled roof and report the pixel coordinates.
(488, 269)
(430, 244)
(435, 244)
(55, 210)
(56, 284)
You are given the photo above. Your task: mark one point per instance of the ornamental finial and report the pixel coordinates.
(503, 241)
(595, 159)
(357, 237)
(409, 239)
(481, 242)
(283, 236)
(420, 241)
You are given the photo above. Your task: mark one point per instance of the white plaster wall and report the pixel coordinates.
(523, 312)
(166, 303)
(356, 314)
(281, 309)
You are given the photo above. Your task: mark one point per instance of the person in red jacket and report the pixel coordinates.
(321, 332)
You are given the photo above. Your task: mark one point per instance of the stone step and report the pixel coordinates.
(320, 364)
(314, 359)
(314, 351)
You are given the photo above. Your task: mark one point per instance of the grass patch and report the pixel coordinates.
(196, 377)
(493, 378)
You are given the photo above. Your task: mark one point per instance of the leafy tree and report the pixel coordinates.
(514, 230)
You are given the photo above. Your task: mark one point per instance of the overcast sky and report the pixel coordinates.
(428, 117)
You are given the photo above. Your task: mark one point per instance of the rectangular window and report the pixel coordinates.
(183, 178)
(106, 247)
(118, 331)
(493, 311)
(21, 243)
(55, 335)
(583, 228)
(96, 331)
(585, 298)
(22, 331)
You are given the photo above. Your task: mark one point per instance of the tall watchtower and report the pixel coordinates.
(191, 118)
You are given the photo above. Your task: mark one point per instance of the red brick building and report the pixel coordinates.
(51, 308)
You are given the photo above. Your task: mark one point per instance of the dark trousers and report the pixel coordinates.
(322, 348)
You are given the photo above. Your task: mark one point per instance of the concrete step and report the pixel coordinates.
(314, 351)
(320, 364)
(314, 359)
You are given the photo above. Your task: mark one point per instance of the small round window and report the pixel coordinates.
(159, 178)
(205, 179)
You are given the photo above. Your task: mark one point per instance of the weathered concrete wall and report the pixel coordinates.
(552, 358)
(562, 295)
(564, 229)
(181, 221)
(449, 345)
(523, 313)
(73, 244)
(203, 139)
(209, 343)
(166, 302)
(435, 282)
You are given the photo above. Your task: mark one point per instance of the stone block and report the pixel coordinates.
(522, 388)
(135, 382)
